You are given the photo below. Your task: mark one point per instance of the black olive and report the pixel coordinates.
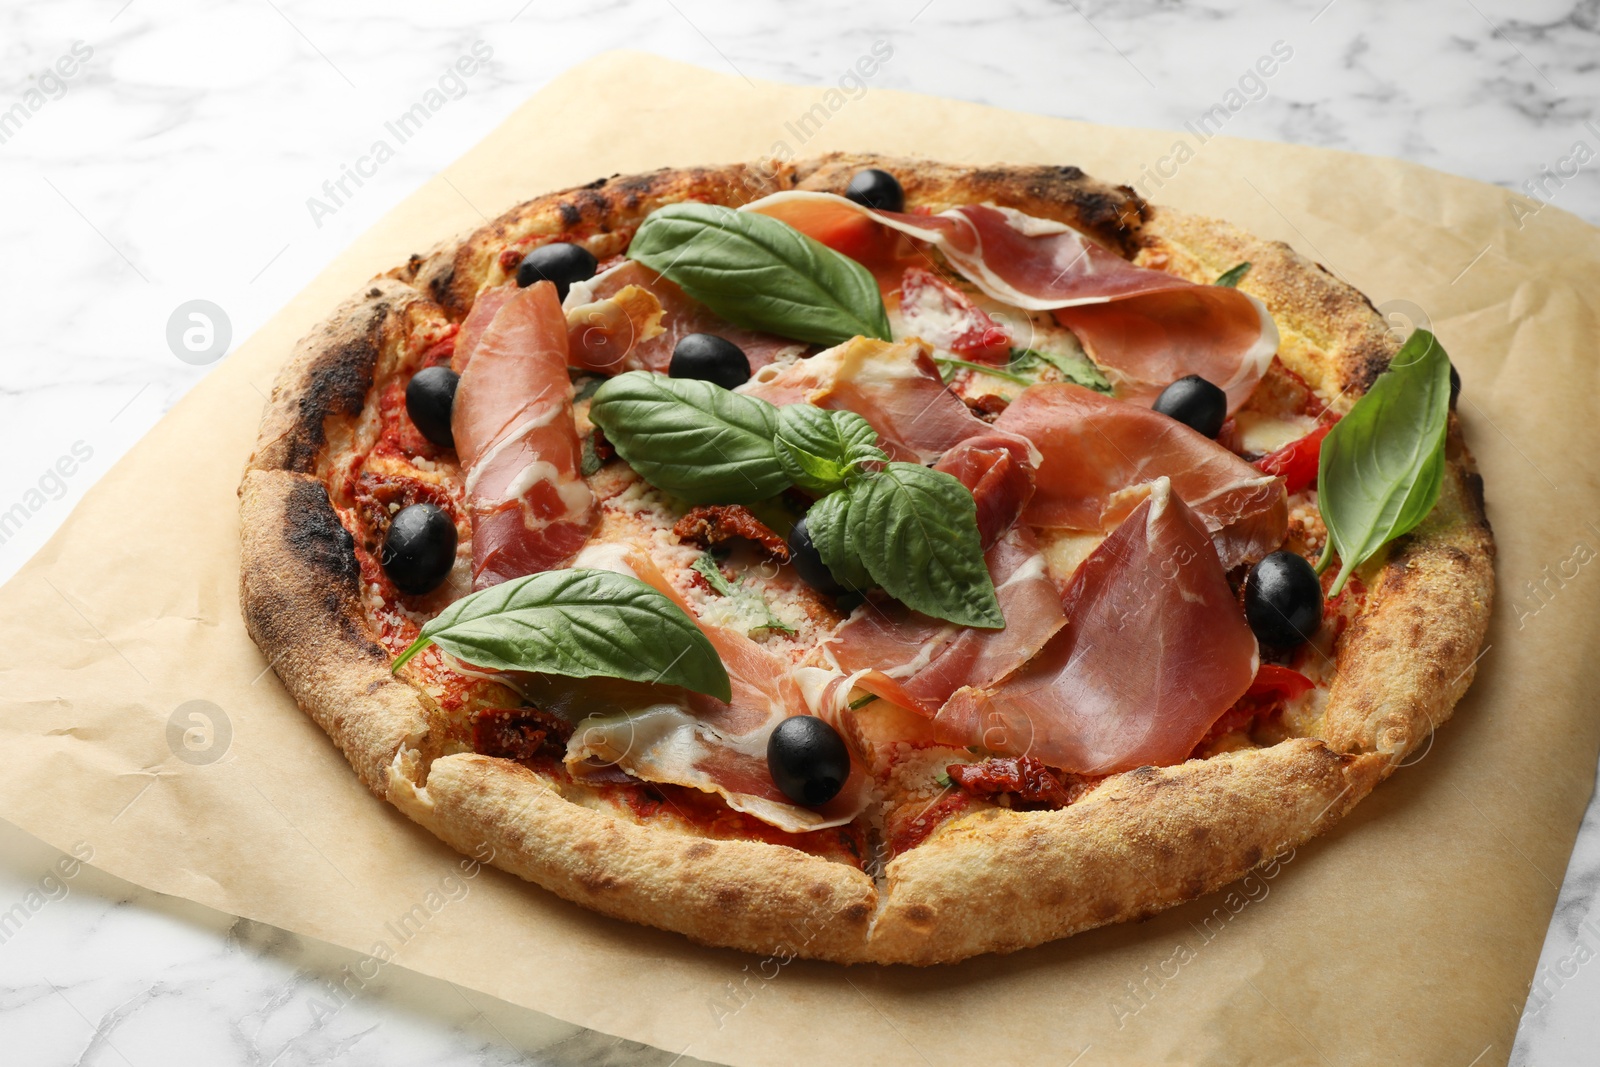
(420, 549)
(1283, 600)
(808, 760)
(1455, 386)
(711, 359)
(808, 562)
(876, 189)
(1196, 403)
(430, 395)
(561, 263)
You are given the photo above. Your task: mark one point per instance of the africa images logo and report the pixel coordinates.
(451, 85)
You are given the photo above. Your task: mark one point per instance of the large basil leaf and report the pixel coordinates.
(915, 531)
(820, 449)
(827, 522)
(580, 624)
(1382, 465)
(695, 440)
(763, 274)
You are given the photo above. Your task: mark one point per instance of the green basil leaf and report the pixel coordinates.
(828, 524)
(820, 449)
(1382, 465)
(763, 274)
(916, 532)
(695, 440)
(1077, 369)
(578, 623)
(1230, 279)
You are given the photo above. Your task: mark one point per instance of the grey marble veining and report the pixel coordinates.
(176, 160)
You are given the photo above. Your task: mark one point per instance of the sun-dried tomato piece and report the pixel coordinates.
(709, 524)
(1028, 781)
(520, 733)
(987, 407)
(378, 498)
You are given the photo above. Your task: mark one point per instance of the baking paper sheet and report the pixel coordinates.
(141, 720)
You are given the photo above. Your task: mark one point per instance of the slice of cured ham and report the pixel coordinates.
(1154, 650)
(917, 662)
(998, 468)
(893, 385)
(604, 335)
(680, 316)
(698, 741)
(1097, 452)
(1146, 328)
(484, 309)
(531, 509)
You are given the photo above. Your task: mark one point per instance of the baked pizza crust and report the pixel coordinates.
(993, 881)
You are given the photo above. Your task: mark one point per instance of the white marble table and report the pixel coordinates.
(175, 161)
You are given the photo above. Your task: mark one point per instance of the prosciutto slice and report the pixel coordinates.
(893, 385)
(698, 741)
(918, 662)
(680, 316)
(531, 509)
(484, 309)
(1154, 651)
(999, 469)
(1146, 328)
(1099, 453)
(603, 335)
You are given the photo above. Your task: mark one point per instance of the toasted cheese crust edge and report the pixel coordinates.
(993, 882)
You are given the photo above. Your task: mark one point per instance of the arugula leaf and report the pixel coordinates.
(828, 524)
(1079, 370)
(589, 462)
(736, 591)
(713, 575)
(1230, 279)
(693, 439)
(915, 530)
(763, 274)
(820, 449)
(1382, 465)
(951, 365)
(578, 623)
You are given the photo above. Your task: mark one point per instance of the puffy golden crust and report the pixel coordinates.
(740, 894)
(1143, 841)
(1413, 651)
(300, 587)
(330, 376)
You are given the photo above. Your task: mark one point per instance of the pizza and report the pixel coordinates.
(867, 559)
